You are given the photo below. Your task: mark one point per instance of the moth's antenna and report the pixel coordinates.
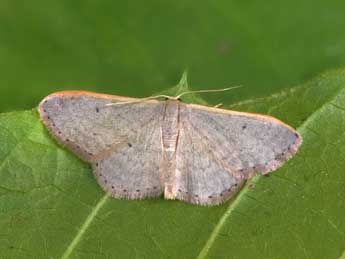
(208, 91)
(141, 100)
(173, 98)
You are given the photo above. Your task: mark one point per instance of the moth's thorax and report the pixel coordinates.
(170, 126)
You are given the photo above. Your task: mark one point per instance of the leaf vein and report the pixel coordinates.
(84, 227)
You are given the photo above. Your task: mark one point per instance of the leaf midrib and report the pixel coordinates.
(84, 227)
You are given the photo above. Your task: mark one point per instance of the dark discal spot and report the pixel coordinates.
(210, 197)
(97, 109)
(166, 98)
(137, 190)
(254, 167)
(296, 135)
(44, 110)
(186, 192)
(90, 153)
(147, 188)
(78, 146)
(179, 190)
(221, 194)
(67, 140)
(154, 187)
(59, 132)
(45, 101)
(196, 195)
(241, 170)
(94, 134)
(129, 144)
(100, 174)
(112, 187)
(48, 117)
(124, 190)
(235, 184)
(244, 126)
(96, 164)
(229, 190)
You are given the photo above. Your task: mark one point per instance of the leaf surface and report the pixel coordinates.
(52, 207)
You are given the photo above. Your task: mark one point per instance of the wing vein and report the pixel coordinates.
(218, 161)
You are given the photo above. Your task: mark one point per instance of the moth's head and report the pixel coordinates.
(173, 98)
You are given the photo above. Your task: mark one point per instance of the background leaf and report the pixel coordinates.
(52, 207)
(136, 48)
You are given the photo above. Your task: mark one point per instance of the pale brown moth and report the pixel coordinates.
(142, 148)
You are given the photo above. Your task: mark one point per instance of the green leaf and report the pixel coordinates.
(136, 48)
(52, 207)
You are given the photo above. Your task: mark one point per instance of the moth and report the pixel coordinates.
(142, 148)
